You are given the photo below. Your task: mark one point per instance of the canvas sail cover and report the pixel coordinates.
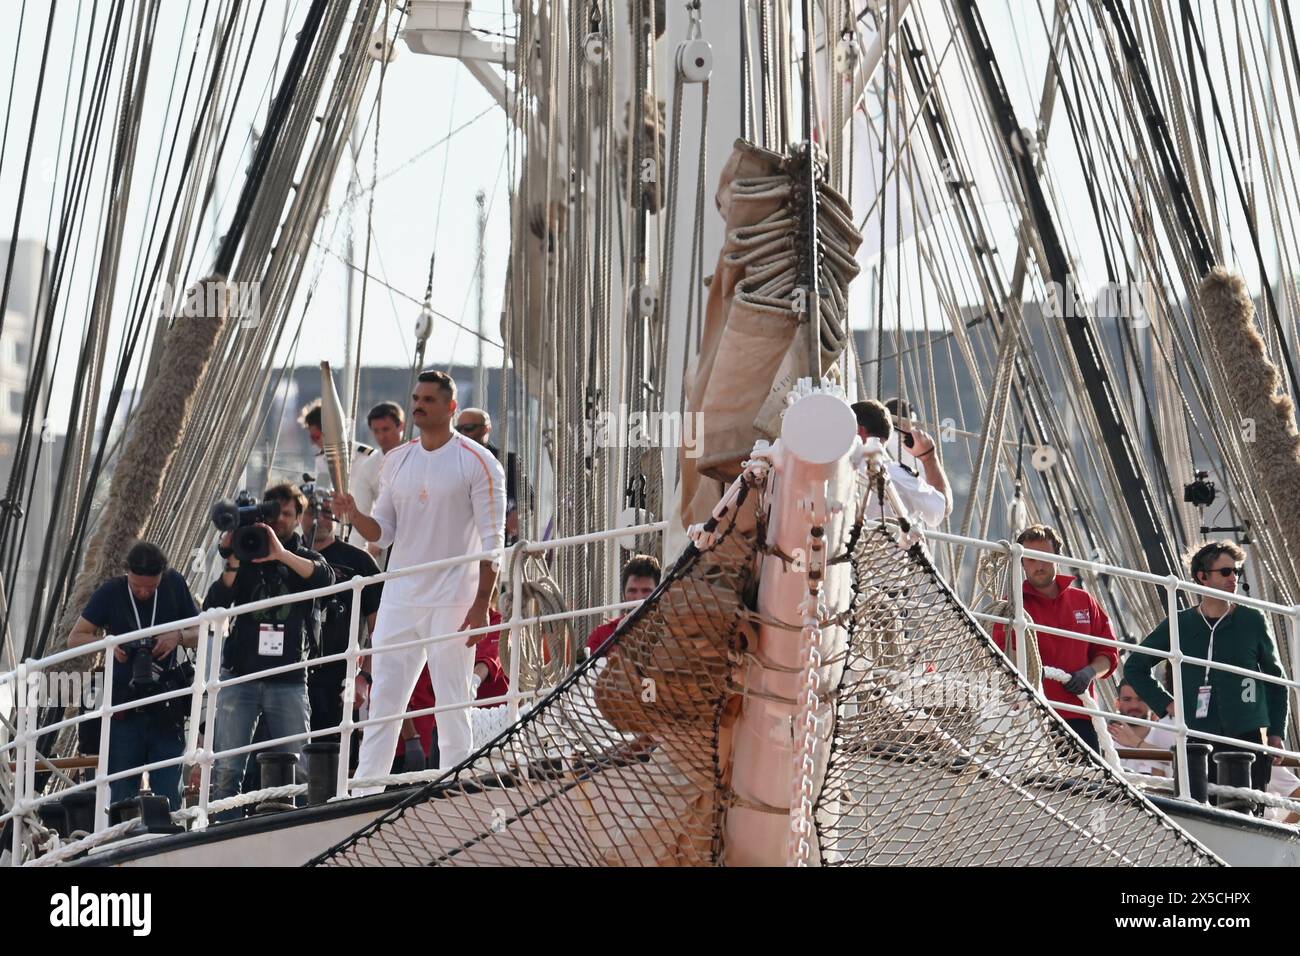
(752, 349)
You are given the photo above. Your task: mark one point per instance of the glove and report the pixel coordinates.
(413, 759)
(1080, 679)
(475, 682)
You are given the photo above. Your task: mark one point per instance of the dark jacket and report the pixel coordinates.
(256, 582)
(1237, 703)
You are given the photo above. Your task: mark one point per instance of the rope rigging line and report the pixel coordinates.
(355, 390)
(80, 521)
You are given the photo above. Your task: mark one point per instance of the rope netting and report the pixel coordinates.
(617, 766)
(942, 756)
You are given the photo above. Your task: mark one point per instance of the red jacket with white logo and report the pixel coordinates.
(1073, 609)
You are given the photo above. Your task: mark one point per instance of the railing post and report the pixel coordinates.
(1176, 673)
(105, 724)
(516, 560)
(209, 724)
(1293, 642)
(21, 794)
(197, 690)
(1018, 626)
(349, 692)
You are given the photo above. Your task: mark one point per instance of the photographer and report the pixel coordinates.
(148, 594)
(927, 497)
(264, 639)
(325, 682)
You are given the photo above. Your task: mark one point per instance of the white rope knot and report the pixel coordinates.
(70, 850)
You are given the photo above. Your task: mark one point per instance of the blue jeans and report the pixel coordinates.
(139, 737)
(281, 705)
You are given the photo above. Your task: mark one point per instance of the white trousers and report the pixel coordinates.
(451, 665)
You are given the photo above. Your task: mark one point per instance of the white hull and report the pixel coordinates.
(1238, 841)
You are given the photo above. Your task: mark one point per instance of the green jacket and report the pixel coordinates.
(1237, 703)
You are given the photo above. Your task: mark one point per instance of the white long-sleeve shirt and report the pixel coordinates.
(363, 481)
(434, 505)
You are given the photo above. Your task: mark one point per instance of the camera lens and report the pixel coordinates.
(250, 543)
(225, 515)
(141, 666)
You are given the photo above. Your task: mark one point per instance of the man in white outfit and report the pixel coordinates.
(386, 421)
(926, 498)
(441, 496)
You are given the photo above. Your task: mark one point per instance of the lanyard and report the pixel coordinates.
(153, 615)
(1209, 653)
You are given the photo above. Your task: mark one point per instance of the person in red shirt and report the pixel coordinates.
(1055, 600)
(639, 578)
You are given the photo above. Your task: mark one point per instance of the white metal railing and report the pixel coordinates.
(204, 692)
(1019, 623)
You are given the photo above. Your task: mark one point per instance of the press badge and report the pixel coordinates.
(1203, 702)
(270, 640)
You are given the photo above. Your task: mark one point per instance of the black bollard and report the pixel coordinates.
(80, 805)
(123, 810)
(1234, 768)
(277, 771)
(322, 771)
(156, 813)
(1198, 770)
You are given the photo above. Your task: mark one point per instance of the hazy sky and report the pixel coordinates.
(424, 199)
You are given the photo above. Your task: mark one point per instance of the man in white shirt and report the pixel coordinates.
(363, 470)
(441, 496)
(926, 499)
(387, 424)
(1138, 737)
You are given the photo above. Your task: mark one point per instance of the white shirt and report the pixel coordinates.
(921, 499)
(1158, 738)
(363, 482)
(325, 480)
(434, 505)
(1284, 783)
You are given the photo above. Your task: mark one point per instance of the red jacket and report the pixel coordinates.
(496, 684)
(1073, 609)
(600, 634)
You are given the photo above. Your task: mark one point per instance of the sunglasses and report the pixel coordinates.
(1225, 572)
(465, 429)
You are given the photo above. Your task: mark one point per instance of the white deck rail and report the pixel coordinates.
(204, 693)
(1019, 623)
(213, 625)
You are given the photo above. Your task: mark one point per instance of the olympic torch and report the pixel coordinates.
(333, 430)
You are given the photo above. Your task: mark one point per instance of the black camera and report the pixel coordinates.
(1200, 492)
(139, 657)
(318, 498)
(241, 517)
